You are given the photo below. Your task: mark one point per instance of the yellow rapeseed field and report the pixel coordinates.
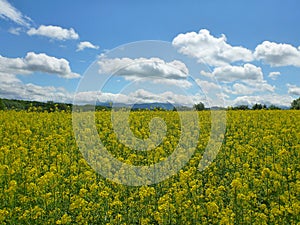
(255, 178)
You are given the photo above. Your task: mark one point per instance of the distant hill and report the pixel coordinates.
(150, 106)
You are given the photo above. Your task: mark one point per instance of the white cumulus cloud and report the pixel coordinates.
(246, 79)
(209, 49)
(154, 69)
(139, 96)
(249, 88)
(230, 73)
(143, 67)
(13, 88)
(293, 89)
(36, 63)
(240, 89)
(207, 86)
(85, 44)
(274, 75)
(276, 54)
(54, 32)
(269, 99)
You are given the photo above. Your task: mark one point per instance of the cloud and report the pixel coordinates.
(246, 79)
(139, 96)
(293, 89)
(15, 31)
(168, 96)
(54, 32)
(250, 88)
(142, 95)
(8, 79)
(142, 67)
(173, 82)
(153, 69)
(209, 49)
(36, 63)
(9, 12)
(85, 44)
(237, 88)
(228, 73)
(240, 89)
(278, 54)
(13, 88)
(270, 99)
(274, 75)
(207, 86)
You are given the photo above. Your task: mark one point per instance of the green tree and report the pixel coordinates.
(274, 107)
(241, 107)
(200, 106)
(2, 105)
(296, 104)
(257, 106)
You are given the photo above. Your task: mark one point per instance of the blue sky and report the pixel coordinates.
(251, 49)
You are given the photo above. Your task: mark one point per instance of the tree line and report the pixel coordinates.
(50, 106)
(295, 104)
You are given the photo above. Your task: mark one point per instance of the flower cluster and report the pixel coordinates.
(255, 178)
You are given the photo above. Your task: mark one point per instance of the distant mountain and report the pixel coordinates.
(165, 106)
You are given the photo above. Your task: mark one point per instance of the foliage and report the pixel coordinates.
(50, 106)
(258, 106)
(255, 178)
(240, 107)
(199, 107)
(295, 104)
(2, 105)
(274, 107)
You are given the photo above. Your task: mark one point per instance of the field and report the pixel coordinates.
(255, 178)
